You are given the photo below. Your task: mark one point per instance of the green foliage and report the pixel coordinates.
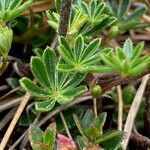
(10, 9)
(55, 86)
(97, 19)
(40, 140)
(127, 60)
(6, 35)
(124, 21)
(82, 57)
(75, 24)
(91, 130)
(86, 19)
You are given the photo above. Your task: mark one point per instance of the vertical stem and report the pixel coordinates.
(120, 107)
(95, 107)
(65, 125)
(64, 19)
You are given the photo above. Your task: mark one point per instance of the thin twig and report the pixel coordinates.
(65, 125)
(133, 110)
(95, 107)
(14, 121)
(18, 141)
(10, 103)
(7, 118)
(120, 107)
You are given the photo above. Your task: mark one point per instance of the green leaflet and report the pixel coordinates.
(50, 135)
(136, 14)
(45, 105)
(34, 131)
(80, 126)
(29, 86)
(128, 48)
(113, 143)
(40, 74)
(123, 7)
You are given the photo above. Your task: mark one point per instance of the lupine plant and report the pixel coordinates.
(55, 86)
(125, 21)
(82, 57)
(127, 60)
(91, 130)
(66, 72)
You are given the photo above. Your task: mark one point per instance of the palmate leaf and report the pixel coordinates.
(81, 57)
(53, 85)
(124, 20)
(10, 9)
(127, 61)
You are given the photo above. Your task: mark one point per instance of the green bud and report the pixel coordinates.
(96, 91)
(6, 35)
(113, 32)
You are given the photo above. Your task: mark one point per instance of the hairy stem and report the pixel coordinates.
(64, 19)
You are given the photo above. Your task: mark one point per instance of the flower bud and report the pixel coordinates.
(113, 32)
(96, 91)
(6, 35)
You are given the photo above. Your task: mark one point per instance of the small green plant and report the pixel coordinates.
(127, 60)
(124, 21)
(97, 19)
(55, 86)
(49, 140)
(10, 9)
(91, 130)
(40, 140)
(82, 57)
